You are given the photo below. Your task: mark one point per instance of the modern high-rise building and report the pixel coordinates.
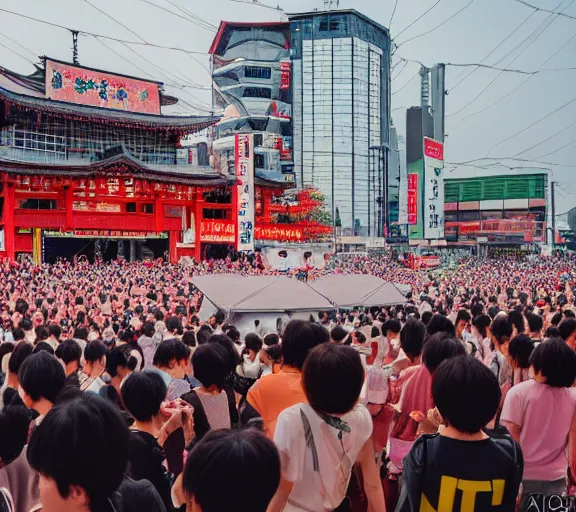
(341, 115)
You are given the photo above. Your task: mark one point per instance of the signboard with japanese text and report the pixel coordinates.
(103, 233)
(413, 199)
(433, 189)
(213, 231)
(85, 86)
(245, 191)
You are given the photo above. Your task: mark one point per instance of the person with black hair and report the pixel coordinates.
(535, 326)
(250, 366)
(147, 343)
(143, 394)
(172, 363)
(519, 351)
(481, 335)
(338, 334)
(567, 331)
(271, 359)
(271, 339)
(321, 439)
(461, 468)
(120, 363)
(516, 320)
(271, 394)
(173, 328)
(9, 392)
(238, 458)
(68, 483)
(389, 342)
(203, 334)
(209, 401)
(501, 331)
(440, 323)
(70, 355)
(41, 378)
(426, 317)
(6, 349)
(55, 332)
(539, 414)
(94, 366)
(80, 336)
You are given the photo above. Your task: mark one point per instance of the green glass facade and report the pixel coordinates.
(531, 186)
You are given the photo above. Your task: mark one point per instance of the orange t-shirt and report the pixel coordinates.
(271, 394)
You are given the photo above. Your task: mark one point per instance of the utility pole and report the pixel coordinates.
(553, 204)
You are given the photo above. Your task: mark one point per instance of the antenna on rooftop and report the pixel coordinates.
(329, 4)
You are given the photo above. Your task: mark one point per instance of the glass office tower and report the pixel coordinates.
(341, 115)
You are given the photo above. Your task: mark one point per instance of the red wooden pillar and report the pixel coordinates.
(68, 196)
(199, 212)
(235, 214)
(172, 240)
(159, 214)
(9, 228)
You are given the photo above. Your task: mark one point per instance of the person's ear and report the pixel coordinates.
(79, 497)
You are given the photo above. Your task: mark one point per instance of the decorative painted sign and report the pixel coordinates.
(433, 189)
(245, 191)
(217, 231)
(84, 86)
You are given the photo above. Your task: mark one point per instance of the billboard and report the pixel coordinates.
(433, 189)
(244, 150)
(415, 179)
(412, 212)
(85, 86)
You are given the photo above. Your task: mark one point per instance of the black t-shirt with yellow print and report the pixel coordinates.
(442, 474)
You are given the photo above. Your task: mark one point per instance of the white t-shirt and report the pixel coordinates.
(317, 491)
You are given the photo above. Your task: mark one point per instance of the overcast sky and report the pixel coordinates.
(541, 41)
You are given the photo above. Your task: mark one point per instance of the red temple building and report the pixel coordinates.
(90, 166)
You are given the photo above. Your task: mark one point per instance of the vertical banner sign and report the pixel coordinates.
(412, 199)
(433, 189)
(245, 192)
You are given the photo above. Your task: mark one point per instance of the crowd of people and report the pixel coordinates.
(116, 396)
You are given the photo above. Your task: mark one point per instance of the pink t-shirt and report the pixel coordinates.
(544, 414)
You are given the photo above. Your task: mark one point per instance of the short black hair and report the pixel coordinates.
(21, 351)
(18, 334)
(412, 338)
(391, 325)
(535, 322)
(297, 340)
(482, 322)
(501, 328)
(210, 363)
(148, 329)
(54, 330)
(516, 320)
(14, 426)
(189, 338)
(463, 314)
(338, 334)
(520, 349)
(426, 317)
(203, 334)
(42, 346)
(233, 334)
(238, 457)
(95, 351)
(332, 378)
(556, 319)
(466, 393)
(552, 332)
(70, 430)
(440, 347)
(42, 376)
(170, 350)
(173, 324)
(439, 323)
(81, 333)
(321, 333)
(253, 342)
(69, 351)
(567, 327)
(143, 393)
(271, 339)
(233, 357)
(556, 361)
(122, 357)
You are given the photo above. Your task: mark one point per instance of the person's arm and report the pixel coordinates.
(371, 477)
(281, 497)
(513, 429)
(411, 492)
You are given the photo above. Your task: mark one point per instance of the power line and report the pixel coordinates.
(493, 50)
(531, 125)
(513, 60)
(557, 150)
(199, 22)
(392, 17)
(480, 65)
(546, 140)
(419, 18)
(437, 26)
(20, 45)
(413, 77)
(509, 158)
(400, 72)
(115, 21)
(173, 48)
(211, 26)
(259, 4)
(16, 53)
(545, 10)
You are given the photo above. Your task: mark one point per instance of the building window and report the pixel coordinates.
(257, 92)
(38, 204)
(333, 24)
(147, 208)
(36, 141)
(130, 207)
(258, 161)
(257, 72)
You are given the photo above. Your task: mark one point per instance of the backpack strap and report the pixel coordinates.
(201, 423)
(310, 440)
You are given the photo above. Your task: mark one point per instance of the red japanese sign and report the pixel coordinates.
(413, 199)
(217, 231)
(279, 232)
(433, 149)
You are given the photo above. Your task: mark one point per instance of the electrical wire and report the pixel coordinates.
(545, 140)
(16, 53)
(199, 23)
(115, 20)
(20, 45)
(557, 150)
(509, 158)
(419, 18)
(259, 4)
(400, 72)
(531, 125)
(493, 50)
(413, 77)
(545, 10)
(84, 32)
(513, 60)
(437, 26)
(211, 26)
(392, 17)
